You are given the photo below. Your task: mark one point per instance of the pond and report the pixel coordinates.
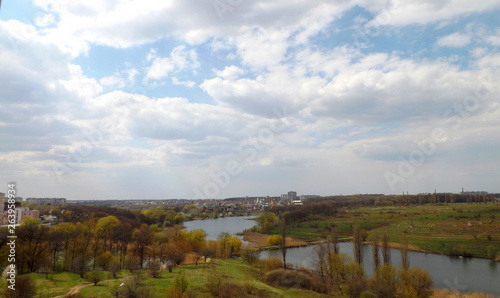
(463, 275)
(213, 227)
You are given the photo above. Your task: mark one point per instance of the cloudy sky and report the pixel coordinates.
(124, 99)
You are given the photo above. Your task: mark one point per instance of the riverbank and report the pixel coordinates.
(259, 241)
(468, 230)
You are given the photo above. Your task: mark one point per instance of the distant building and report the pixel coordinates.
(20, 214)
(46, 201)
(292, 196)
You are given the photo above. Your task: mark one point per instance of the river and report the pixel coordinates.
(462, 275)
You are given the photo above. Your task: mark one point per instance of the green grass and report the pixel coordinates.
(231, 271)
(436, 228)
(55, 284)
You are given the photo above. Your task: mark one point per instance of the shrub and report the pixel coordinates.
(181, 283)
(250, 256)
(368, 294)
(230, 291)
(274, 240)
(25, 287)
(214, 284)
(95, 276)
(289, 279)
(154, 267)
(272, 264)
(418, 280)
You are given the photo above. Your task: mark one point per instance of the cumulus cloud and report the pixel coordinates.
(257, 83)
(456, 40)
(179, 60)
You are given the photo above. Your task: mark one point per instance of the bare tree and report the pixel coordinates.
(284, 231)
(405, 261)
(333, 241)
(357, 246)
(376, 259)
(386, 253)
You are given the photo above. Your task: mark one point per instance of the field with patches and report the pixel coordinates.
(235, 275)
(453, 229)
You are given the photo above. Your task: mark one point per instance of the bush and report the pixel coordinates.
(181, 283)
(154, 267)
(95, 276)
(214, 284)
(289, 279)
(271, 264)
(250, 256)
(25, 287)
(418, 280)
(367, 294)
(274, 240)
(230, 291)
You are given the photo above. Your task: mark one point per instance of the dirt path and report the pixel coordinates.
(76, 289)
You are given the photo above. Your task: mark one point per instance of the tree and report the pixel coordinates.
(416, 280)
(333, 239)
(385, 281)
(266, 222)
(355, 279)
(32, 248)
(358, 245)
(142, 237)
(250, 255)
(228, 244)
(282, 243)
(94, 276)
(386, 253)
(196, 239)
(210, 249)
(405, 261)
(105, 227)
(104, 260)
(56, 240)
(376, 259)
(154, 267)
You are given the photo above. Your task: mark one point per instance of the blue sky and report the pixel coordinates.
(213, 99)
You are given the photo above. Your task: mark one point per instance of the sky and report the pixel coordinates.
(194, 99)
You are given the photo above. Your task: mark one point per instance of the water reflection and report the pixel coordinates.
(213, 227)
(464, 275)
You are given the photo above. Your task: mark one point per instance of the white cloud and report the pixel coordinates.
(494, 39)
(189, 84)
(400, 13)
(230, 72)
(179, 60)
(456, 40)
(347, 112)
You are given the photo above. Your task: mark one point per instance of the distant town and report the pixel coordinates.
(226, 207)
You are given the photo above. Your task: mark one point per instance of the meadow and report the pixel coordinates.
(452, 229)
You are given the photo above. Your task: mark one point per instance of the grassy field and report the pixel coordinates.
(232, 273)
(445, 229)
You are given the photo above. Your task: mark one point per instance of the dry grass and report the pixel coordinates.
(441, 293)
(260, 240)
